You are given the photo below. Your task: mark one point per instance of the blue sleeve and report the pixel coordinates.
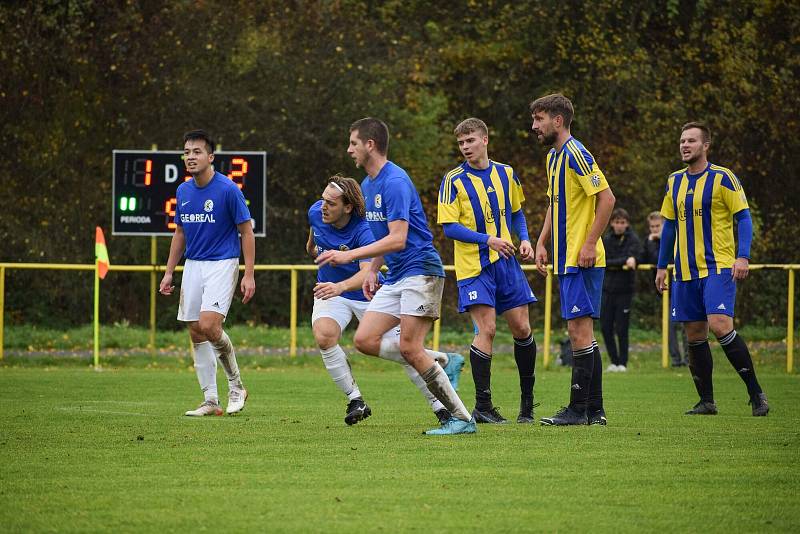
(666, 251)
(520, 225)
(459, 232)
(398, 196)
(364, 237)
(745, 233)
(238, 206)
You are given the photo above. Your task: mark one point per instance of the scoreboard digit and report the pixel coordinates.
(145, 182)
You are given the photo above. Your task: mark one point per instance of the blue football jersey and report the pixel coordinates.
(354, 234)
(391, 196)
(209, 216)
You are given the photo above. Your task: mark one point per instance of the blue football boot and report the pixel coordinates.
(455, 363)
(453, 426)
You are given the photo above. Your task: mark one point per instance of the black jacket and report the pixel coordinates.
(618, 249)
(650, 251)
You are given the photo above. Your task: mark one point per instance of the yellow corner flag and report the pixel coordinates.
(101, 253)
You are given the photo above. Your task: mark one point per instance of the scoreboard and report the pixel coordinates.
(145, 182)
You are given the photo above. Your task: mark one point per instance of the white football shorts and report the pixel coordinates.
(339, 309)
(419, 295)
(207, 286)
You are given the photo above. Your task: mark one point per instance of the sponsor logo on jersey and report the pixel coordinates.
(375, 216)
(197, 218)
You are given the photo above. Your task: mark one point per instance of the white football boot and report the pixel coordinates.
(236, 400)
(207, 408)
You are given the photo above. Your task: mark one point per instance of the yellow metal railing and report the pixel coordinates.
(293, 270)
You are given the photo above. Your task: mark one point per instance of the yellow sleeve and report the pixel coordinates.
(733, 194)
(448, 209)
(589, 175)
(549, 181)
(667, 207)
(517, 197)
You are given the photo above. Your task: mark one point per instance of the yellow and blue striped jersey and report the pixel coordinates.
(574, 179)
(482, 201)
(703, 206)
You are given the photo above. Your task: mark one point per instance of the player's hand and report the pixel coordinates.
(505, 248)
(333, 257)
(587, 255)
(525, 250)
(661, 280)
(370, 285)
(166, 287)
(741, 268)
(541, 259)
(630, 263)
(327, 290)
(248, 287)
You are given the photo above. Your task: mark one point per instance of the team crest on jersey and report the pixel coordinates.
(209, 205)
(595, 180)
(378, 200)
(343, 247)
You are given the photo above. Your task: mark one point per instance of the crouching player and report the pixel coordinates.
(337, 223)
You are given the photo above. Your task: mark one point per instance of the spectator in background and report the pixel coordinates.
(678, 344)
(622, 250)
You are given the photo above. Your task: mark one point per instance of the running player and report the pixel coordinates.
(480, 204)
(210, 213)
(337, 223)
(580, 206)
(411, 295)
(700, 205)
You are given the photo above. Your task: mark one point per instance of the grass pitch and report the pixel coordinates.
(85, 451)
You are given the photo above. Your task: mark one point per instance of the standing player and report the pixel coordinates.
(580, 206)
(480, 205)
(700, 205)
(337, 223)
(210, 213)
(412, 293)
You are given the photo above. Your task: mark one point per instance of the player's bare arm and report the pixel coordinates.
(176, 248)
(605, 205)
(393, 242)
(541, 247)
(311, 247)
(248, 285)
(327, 290)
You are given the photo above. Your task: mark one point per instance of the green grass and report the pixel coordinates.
(84, 451)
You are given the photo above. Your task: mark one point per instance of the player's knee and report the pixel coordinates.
(212, 330)
(366, 343)
(520, 330)
(720, 325)
(325, 339)
(487, 331)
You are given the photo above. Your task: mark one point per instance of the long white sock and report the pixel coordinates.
(227, 357)
(338, 367)
(412, 373)
(390, 349)
(205, 365)
(437, 382)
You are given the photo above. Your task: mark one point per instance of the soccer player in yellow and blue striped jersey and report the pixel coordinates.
(701, 202)
(580, 206)
(480, 206)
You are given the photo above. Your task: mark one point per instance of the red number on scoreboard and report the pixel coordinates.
(238, 175)
(169, 209)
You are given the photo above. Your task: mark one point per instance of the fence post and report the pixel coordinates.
(789, 325)
(153, 291)
(2, 306)
(293, 315)
(437, 327)
(665, 320)
(548, 301)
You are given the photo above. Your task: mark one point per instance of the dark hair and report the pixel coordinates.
(471, 125)
(555, 104)
(700, 126)
(375, 129)
(351, 192)
(620, 213)
(200, 135)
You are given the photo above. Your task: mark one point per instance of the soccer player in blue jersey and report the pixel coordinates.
(337, 223)
(412, 292)
(701, 202)
(480, 205)
(210, 214)
(580, 206)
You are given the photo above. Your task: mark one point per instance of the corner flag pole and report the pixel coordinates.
(97, 314)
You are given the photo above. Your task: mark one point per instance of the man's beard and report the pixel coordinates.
(549, 139)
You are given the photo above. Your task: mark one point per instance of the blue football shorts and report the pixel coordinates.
(581, 292)
(501, 285)
(695, 300)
